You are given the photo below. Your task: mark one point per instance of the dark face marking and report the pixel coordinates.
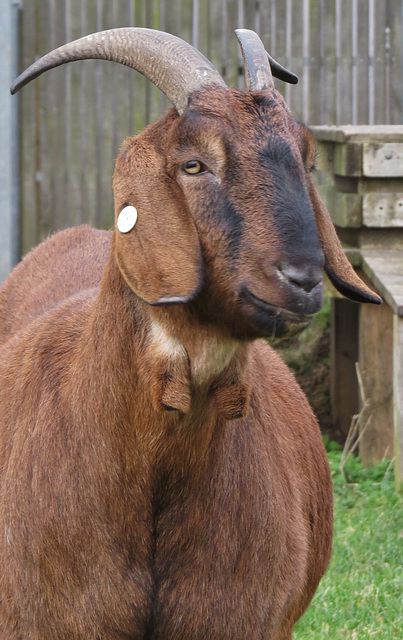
(231, 222)
(292, 210)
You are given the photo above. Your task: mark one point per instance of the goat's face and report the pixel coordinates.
(236, 164)
(251, 208)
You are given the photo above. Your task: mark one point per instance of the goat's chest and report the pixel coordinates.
(230, 549)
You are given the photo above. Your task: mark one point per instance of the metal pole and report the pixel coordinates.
(9, 157)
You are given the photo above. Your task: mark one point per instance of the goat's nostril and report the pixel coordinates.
(302, 277)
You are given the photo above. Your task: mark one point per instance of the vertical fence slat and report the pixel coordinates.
(401, 60)
(99, 118)
(273, 25)
(38, 200)
(240, 25)
(387, 73)
(305, 55)
(258, 17)
(338, 61)
(371, 60)
(83, 119)
(322, 92)
(224, 21)
(288, 43)
(195, 24)
(354, 61)
(67, 18)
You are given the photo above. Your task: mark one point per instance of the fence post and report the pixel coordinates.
(9, 164)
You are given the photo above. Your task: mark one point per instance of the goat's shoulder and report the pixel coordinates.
(278, 402)
(66, 263)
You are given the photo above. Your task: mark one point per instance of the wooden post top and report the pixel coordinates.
(362, 175)
(362, 150)
(358, 133)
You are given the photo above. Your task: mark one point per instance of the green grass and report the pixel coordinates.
(361, 595)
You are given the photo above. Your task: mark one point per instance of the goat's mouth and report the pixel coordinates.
(272, 321)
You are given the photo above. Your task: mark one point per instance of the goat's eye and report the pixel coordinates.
(193, 166)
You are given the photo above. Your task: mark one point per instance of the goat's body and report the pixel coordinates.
(120, 520)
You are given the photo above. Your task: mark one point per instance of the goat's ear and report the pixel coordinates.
(338, 268)
(160, 257)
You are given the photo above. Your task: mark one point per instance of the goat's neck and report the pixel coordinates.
(199, 360)
(184, 362)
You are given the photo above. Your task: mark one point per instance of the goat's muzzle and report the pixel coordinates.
(273, 321)
(300, 297)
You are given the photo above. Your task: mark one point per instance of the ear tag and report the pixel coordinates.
(127, 218)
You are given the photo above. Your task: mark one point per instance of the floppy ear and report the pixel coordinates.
(160, 257)
(338, 268)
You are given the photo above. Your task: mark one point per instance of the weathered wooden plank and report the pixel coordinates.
(398, 397)
(288, 43)
(343, 61)
(395, 22)
(379, 185)
(345, 208)
(383, 159)
(385, 269)
(28, 105)
(354, 61)
(371, 60)
(382, 210)
(362, 62)
(347, 159)
(359, 133)
(305, 79)
(376, 367)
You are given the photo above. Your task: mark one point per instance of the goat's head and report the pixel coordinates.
(229, 220)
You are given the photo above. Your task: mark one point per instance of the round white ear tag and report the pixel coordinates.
(127, 218)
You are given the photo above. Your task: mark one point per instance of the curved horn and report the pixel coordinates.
(174, 66)
(258, 72)
(281, 72)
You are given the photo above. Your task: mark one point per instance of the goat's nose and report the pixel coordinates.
(304, 277)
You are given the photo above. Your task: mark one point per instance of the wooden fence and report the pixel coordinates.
(347, 53)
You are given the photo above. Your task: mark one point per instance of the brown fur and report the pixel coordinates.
(162, 474)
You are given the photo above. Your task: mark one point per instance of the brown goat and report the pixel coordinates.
(162, 475)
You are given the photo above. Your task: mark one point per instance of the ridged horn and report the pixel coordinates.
(174, 66)
(260, 67)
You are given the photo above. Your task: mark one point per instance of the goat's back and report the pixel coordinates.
(65, 264)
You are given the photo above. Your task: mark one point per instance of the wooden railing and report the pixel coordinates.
(362, 184)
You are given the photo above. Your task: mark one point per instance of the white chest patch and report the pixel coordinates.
(166, 344)
(209, 355)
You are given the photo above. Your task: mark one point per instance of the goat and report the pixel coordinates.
(161, 472)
